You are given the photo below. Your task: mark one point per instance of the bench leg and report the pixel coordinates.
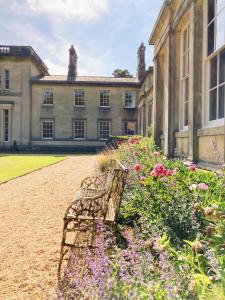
(62, 253)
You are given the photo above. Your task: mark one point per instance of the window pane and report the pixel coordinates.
(79, 98)
(186, 93)
(221, 101)
(213, 72)
(104, 98)
(211, 10)
(186, 114)
(222, 66)
(7, 79)
(211, 38)
(104, 130)
(47, 130)
(213, 105)
(220, 5)
(79, 129)
(129, 127)
(6, 125)
(220, 30)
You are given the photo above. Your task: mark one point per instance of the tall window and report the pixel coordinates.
(79, 98)
(104, 129)
(6, 124)
(0, 79)
(79, 129)
(216, 25)
(6, 79)
(216, 43)
(48, 97)
(217, 87)
(185, 78)
(129, 100)
(47, 130)
(129, 127)
(104, 98)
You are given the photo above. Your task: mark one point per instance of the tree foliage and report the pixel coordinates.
(121, 73)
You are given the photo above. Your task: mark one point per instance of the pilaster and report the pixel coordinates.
(195, 75)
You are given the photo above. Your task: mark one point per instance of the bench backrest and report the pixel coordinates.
(116, 176)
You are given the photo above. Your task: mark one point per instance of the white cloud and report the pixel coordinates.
(67, 9)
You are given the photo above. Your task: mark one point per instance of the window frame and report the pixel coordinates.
(104, 93)
(84, 129)
(208, 24)
(44, 97)
(184, 77)
(135, 127)
(207, 123)
(99, 131)
(8, 80)
(4, 125)
(133, 103)
(81, 98)
(42, 129)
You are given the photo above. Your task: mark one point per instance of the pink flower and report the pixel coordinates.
(156, 154)
(137, 167)
(169, 172)
(118, 142)
(208, 211)
(135, 153)
(158, 170)
(192, 168)
(202, 186)
(142, 178)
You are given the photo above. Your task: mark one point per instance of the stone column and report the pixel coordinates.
(195, 75)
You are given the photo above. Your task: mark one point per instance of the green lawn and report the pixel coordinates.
(12, 166)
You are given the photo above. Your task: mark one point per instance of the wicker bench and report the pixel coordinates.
(98, 198)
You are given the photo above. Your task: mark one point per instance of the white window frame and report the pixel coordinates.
(42, 129)
(48, 95)
(4, 125)
(132, 104)
(99, 130)
(0, 79)
(105, 101)
(84, 129)
(135, 126)
(206, 73)
(184, 77)
(80, 94)
(6, 70)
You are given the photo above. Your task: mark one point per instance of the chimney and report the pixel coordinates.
(141, 62)
(72, 72)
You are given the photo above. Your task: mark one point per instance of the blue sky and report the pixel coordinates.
(106, 33)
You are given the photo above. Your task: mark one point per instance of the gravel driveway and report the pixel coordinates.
(31, 220)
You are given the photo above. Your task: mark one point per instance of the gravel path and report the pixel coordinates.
(31, 219)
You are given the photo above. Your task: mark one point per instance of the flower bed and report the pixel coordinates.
(172, 218)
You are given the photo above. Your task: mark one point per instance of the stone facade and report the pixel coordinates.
(40, 111)
(189, 80)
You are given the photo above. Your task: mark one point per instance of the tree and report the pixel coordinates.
(121, 73)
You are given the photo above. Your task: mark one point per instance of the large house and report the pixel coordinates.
(40, 111)
(180, 102)
(189, 80)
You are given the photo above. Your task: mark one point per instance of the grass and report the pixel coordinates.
(12, 166)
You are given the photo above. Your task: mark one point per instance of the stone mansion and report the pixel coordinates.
(179, 101)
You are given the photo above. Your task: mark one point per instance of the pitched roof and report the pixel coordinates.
(92, 80)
